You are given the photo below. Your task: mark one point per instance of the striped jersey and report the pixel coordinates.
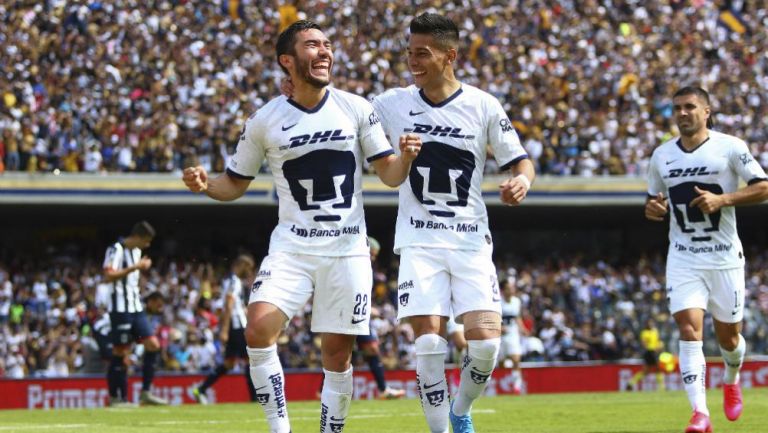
(510, 311)
(125, 294)
(316, 157)
(234, 285)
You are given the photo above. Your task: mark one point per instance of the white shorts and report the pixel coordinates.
(341, 287)
(438, 281)
(510, 344)
(720, 291)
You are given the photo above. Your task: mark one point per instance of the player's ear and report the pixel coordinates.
(286, 61)
(451, 55)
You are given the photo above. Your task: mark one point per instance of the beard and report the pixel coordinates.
(690, 129)
(303, 67)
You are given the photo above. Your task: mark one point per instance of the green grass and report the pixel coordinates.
(573, 413)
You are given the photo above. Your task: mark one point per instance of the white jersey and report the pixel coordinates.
(698, 240)
(510, 311)
(125, 296)
(316, 157)
(234, 285)
(441, 203)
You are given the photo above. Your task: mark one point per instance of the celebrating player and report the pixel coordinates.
(314, 143)
(442, 232)
(696, 177)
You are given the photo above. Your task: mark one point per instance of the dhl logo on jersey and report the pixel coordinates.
(438, 131)
(689, 172)
(317, 137)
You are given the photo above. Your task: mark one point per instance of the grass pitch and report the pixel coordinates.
(647, 412)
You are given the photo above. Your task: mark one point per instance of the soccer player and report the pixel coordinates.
(652, 345)
(511, 346)
(128, 321)
(696, 177)
(442, 232)
(314, 143)
(232, 326)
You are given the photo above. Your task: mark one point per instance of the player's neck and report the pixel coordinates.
(691, 142)
(442, 91)
(307, 95)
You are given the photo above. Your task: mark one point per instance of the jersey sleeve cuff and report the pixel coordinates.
(237, 175)
(757, 180)
(380, 155)
(513, 162)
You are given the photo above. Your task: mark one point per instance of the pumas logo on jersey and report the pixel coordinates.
(438, 131)
(404, 299)
(688, 172)
(317, 137)
(373, 119)
(746, 158)
(256, 286)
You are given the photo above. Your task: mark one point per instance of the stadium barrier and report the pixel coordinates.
(91, 392)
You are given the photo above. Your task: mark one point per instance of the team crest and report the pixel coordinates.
(745, 158)
(436, 398)
(404, 299)
(478, 376)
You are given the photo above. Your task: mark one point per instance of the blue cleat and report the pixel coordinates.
(461, 424)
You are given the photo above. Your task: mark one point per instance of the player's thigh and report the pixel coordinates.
(121, 333)
(726, 298)
(142, 332)
(236, 347)
(342, 301)
(686, 289)
(474, 283)
(284, 280)
(424, 284)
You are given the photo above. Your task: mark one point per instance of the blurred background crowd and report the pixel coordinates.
(574, 308)
(150, 86)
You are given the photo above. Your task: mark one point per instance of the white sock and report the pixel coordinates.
(693, 369)
(476, 370)
(733, 361)
(517, 379)
(335, 400)
(268, 380)
(430, 378)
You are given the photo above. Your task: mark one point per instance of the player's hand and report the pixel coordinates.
(145, 263)
(286, 87)
(410, 146)
(196, 179)
(656, 207)
(513, 191)
(707, 201)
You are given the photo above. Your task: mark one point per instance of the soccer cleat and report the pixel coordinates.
(461, 424)
(200, 397)
(699, 423)
(152, 400)
(391, 394)
(732, 402)
(120, 404)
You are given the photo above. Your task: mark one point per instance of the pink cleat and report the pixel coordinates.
(732, 403)
(699, 423)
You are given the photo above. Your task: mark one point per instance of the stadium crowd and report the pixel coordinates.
(152, 86)
(574, 308)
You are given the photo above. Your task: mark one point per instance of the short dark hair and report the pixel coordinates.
(143, 229)
(154, 296)
(441, 28)
(702, 95)
(286, 42)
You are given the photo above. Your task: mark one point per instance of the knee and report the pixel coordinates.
(730, 343)
(688, 332)
(431, 344)
(258, 336)
(152, 344)
(484, 349)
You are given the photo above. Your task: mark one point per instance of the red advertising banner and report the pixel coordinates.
(92, 391)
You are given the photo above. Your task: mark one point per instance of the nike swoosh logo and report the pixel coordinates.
(670, 162)
(261, 387)
(355, 322)
(285, 128)
(495, 299)
(333, 418)
(433, 385)
(416, 113)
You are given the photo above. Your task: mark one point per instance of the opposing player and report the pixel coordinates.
(696, 176)
(652, 345)
(232, 325)
(512, 327)
(128, 321)
(314, 144)
(442, 232)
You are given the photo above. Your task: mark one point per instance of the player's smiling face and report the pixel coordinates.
(427, 60)
(691, 114)
(314, 57)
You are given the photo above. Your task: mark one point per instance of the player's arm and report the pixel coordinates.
(515, 189)
(226, 318)
(710, 202)
(393, 170)
(656, 207)
(226, 187)
(111, 274)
